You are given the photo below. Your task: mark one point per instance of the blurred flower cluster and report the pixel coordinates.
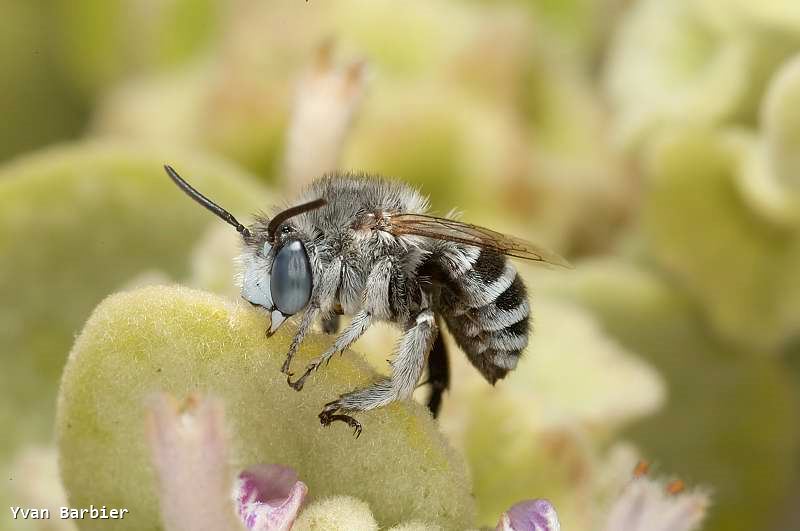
(656, 143)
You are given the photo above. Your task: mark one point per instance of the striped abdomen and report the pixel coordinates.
(485, 305)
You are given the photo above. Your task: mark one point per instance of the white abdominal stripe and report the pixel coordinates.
(511, 343)
(462, 260)
(490, 318)
(479, 294)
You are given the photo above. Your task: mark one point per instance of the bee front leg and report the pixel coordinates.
(412, 352)
(305, 325)
(321, 303)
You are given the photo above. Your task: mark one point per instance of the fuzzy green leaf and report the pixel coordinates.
(730, 422)
(183, 341)
(741, 267)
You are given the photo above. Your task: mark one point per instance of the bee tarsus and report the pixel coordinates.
(329, 415)
(297, 385)
(305, 325)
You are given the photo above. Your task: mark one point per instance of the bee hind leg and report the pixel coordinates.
(407, 368)
(438, 374)
(329, 415)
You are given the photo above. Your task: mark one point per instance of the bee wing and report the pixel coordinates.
(468, 234)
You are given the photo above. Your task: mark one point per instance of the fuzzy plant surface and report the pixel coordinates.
(741, 266)
(183, 341)
(77, 223)
(718, 393)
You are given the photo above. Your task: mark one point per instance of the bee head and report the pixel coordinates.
(277, 272)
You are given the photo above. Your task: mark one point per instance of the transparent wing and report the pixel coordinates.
(468, 234)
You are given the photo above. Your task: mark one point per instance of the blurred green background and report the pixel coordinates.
(655, 143)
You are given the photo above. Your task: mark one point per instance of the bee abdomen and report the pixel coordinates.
(488, 315)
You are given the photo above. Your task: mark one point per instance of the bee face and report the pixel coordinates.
(278, 278)
(256, 281)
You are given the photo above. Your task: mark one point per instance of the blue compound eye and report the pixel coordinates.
(290, 281)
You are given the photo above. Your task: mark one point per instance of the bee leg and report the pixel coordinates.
(361, 321)
(321, 303)
(407, 367)
(438, 374)
(329, 414)
(302, 330)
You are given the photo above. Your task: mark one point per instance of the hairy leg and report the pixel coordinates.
(375, 305)
(305, 325)
(321, 304)
(407, 368)
(361, 321)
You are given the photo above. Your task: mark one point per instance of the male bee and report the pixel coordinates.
(364, 246)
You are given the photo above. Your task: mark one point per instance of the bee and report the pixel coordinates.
(365, 247)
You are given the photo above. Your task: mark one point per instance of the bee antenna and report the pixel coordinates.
(275, 222)
(206, 202)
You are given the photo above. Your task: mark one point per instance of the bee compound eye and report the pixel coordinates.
(290, 281)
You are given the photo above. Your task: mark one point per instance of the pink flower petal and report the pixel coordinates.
(530, 515)
(268, 497)
(648, 505)
(190, 456)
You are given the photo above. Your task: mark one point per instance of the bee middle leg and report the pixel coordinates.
(407, 366)
(377, 286)
(361, 321)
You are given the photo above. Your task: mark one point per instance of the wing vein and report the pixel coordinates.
(456, 231)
